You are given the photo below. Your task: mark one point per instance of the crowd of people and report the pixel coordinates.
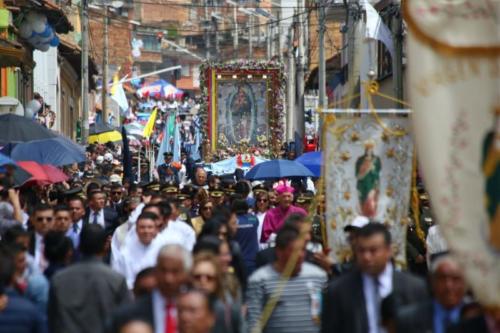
(205, 254)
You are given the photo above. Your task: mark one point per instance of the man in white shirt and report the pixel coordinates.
(77, 209)
(141, 252)
(176, 223)
(42, 220)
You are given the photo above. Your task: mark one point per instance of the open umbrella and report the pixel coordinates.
(39, 176)
(55, 175)
(57, 151)
(15, 129)
(276, 169)
(102, 133)
(20, 176)
(313, 161)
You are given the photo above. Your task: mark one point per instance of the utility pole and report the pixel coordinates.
(250, 37)
(85, 71)
(354, 47)
(268, 41)
(207, 36)
(397, 62)
(235, 36)
(321, 61)
(290, 119)
(104, 94)
(300, 76)
(278, 27)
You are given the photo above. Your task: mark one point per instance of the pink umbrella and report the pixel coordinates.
(54, 174)
(39, 175)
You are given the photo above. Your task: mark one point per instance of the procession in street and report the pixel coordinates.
(250, 167)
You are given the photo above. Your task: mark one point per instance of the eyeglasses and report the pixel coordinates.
(42, 218)
(116, 192)
(262, 200)
(207, 208)
(201, 276)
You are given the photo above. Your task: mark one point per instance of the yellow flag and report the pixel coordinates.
(148, 129)
(116, 81)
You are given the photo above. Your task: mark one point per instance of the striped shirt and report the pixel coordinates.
(298, 307)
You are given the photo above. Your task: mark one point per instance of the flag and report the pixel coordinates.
(127, 157)
(148, 130)
(376, 29)
(454, 76)
(177, 142)
(164, 147)
(118, 94)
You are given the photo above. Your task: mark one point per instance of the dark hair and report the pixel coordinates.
(76, 198)
(41, 208)
(61, 208)
(147, 216)
(375, 228)
(92, 240)
(57, 246)
(239, 206)
(242, 187)
(92, 194)
(294, 219)
(146, 272)
(207, 243)
(286, 236)
(133, 188)
(165, 207)
(210, 300)
(92, 187)
(11, 234)
(151, 205)
(212, 227)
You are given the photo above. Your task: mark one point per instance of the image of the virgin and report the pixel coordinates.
(368, 167)
(240, 106)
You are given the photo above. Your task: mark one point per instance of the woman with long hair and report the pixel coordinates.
(208, 276)
(205, 212)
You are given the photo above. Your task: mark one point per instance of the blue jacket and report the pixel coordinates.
(21, 316)
(246, 236)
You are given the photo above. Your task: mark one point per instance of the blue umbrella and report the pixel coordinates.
(313, 161)
(277, 169)
(20, 175)
(57, 151)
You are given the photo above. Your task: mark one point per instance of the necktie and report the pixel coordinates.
(378, 302)
(170, 318)
(75, 228)
(447, 321)
(95, 218)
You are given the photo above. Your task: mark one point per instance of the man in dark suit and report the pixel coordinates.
(166, 172)
(438, 314)
(96, 213)
(352, 302)
(42, 221)
(158, 309)
(83, 296)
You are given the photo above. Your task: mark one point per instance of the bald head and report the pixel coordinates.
(448, 284)
(172, 269)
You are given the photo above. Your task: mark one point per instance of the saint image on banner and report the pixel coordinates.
(368, 168)
(491, 170)
(241, 111)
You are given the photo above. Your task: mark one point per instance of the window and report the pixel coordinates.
(150, 43)
(185, 70)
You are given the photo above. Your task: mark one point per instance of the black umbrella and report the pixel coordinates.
(98, 128)
(15, 129)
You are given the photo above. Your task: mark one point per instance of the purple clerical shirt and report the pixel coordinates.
(275, 218)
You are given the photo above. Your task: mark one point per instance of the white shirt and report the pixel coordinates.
(118, 240)
(159, 315)
(435, 242)
(134, 257)
(369, 290)
(100, 217)
(187, 234)
(260, 216)
(40, 262)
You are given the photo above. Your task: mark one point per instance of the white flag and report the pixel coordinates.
(376, 29)
(454, 85)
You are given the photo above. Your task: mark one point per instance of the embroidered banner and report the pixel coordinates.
(454, 85)
(368, 168)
